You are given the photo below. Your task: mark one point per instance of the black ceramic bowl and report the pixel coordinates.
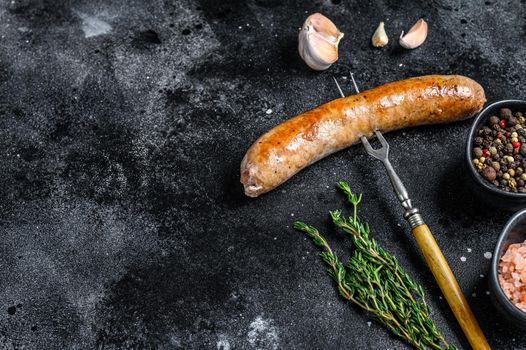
(514, 232)
(488, 192)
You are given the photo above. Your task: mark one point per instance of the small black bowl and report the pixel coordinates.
(487, 191)
(514, 232)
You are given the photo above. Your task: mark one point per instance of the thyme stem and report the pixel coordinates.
(375, 281)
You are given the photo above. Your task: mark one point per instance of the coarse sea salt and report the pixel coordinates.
(512, 274)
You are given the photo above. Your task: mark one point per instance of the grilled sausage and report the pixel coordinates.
(302, 140)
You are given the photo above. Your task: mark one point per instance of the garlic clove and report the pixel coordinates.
(380, 38)
(322, 50)
(415, 36)
(318, 42)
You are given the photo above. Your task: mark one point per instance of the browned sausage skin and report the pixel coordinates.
(302, 140)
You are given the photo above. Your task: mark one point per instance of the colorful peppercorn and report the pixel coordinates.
(505, 113)
(489, 173)
(493, 120)
(499, 150)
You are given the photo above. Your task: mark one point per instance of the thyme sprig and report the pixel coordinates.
(375, 281)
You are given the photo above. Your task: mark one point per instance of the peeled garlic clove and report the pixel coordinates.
(415, 36)
(380, 38)
(318, 42)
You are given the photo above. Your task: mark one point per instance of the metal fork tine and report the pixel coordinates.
(378, 154)
(339, 88)
(381, 153)
(382, 140)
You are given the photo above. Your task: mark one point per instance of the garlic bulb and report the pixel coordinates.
(318, 42)
(380, 38)
(415, 36)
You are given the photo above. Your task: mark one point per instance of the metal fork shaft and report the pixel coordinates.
(411, 214)
(398, 186)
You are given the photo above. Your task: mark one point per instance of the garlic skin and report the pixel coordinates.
(415, 36)
(318, 42)
(380, 38)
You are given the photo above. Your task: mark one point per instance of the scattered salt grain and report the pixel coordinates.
(463, 258)
(469, 250)
(369, 324)
(269, 111)
(488, 255)
(481, 275)
(291, 214)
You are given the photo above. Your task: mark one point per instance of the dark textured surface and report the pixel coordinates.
(123, 123)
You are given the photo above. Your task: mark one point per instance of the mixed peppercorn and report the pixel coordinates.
(499, 151)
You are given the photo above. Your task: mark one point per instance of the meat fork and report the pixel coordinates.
(432, 254)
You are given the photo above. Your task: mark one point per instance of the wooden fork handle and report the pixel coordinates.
(449, 286)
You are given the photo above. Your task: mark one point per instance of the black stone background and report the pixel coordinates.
(123, 223)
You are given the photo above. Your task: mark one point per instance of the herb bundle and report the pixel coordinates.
(374, 280)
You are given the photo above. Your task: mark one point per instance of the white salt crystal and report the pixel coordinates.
(488, 255)
(462, 258)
